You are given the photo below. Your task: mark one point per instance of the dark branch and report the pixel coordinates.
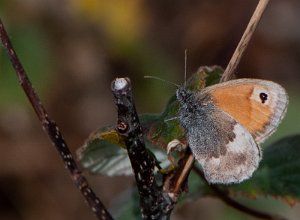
(229, 201)
(53, 132)
(155, 204)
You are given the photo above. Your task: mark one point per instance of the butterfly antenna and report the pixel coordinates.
(160, 79)
(171, 119)
(185, 66)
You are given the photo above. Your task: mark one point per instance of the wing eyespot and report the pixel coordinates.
(263, 97)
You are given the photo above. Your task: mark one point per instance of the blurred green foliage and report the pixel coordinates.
(33, 50)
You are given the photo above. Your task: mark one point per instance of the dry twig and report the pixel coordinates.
(240, 49)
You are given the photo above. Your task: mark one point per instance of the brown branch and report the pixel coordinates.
(154, 203)
(240, 49)
(176, 181)
(231, 202)
(53, 132)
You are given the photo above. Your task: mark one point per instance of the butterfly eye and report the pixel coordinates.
(263, 97)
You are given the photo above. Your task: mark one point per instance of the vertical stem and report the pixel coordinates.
(153, 202)
(240, 49)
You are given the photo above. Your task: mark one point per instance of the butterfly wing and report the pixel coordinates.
(226, 150)
(237, 164)
(258, 105)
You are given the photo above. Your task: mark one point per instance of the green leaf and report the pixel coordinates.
(278, 174)
(104, 153)
(103, 157)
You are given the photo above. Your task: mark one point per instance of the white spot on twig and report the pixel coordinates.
(120, 83)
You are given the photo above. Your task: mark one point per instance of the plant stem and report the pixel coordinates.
(53, 132)
(154, 203)
(240, 49)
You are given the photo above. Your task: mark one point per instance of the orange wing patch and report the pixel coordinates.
(250, 112)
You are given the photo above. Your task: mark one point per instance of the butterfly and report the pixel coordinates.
(225, 123)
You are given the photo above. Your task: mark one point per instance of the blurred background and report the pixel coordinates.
(72, 50)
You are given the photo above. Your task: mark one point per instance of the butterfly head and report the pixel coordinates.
(183, 94)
